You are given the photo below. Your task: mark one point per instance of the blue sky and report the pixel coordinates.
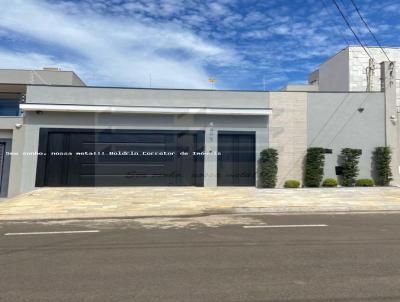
(181, 43)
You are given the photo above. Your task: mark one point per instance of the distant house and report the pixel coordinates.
(351, 70)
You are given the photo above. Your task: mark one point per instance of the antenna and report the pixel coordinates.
(264, 83)
(212, 81)
(150, 80)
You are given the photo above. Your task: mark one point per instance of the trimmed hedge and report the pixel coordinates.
(292, 183)
(330, 182)
(268, 167)
(349, 159)
(364, 182)
(314, 167)
(382, 158)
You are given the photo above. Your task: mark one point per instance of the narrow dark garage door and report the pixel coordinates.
(120, 158)
(236, 162)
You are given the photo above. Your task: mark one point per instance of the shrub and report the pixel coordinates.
(330, 182)
(382, 157)
(314, 168)
(364, 182)
(292, 183)
(349, 159)
(268, 167)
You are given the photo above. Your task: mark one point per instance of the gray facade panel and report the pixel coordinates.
(145, 97)
(340, 120)
(45, 77)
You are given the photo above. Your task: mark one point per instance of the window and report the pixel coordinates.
(9, 107)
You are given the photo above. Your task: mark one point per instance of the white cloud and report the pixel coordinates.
(111, 51)
(31, 60)
(257, 34)
(179, 42)
(392, 8)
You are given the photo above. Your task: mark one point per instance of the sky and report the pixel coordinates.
(243, 44)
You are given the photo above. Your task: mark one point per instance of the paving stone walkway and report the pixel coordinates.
(101, 202)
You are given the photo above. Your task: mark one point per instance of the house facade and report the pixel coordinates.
(56, 131)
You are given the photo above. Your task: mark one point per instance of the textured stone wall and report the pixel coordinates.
(288, 133)
(359, 61)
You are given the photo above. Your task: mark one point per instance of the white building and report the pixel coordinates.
(349, 70)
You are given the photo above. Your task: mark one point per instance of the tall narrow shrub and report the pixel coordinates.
(349, 161)
(314, 167)
(382, 157)
(268, 167)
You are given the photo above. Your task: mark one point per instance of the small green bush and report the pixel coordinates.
(330, 182)
(314, 167)
(292, 183)
(382, 158)
(364, 182)
(268, 167)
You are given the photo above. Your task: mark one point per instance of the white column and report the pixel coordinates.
(210, 160)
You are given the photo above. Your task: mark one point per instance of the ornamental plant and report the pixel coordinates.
(364, 182)
(382, 158)
(268, 167)
(314, 167)
(349, 161)
(292, 183)
(330, 182)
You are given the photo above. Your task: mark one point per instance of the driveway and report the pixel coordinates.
(101, 202)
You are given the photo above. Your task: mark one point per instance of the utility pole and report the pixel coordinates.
(370, 74)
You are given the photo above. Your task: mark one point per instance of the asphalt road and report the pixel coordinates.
(352, 258)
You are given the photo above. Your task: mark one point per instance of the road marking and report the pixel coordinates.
(49, 233)
(284, 226)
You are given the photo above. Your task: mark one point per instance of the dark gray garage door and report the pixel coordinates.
(236, 162)
(120, 158)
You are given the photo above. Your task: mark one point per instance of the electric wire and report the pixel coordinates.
(369, 29)
(333, 22)
(342, 4)
(351, 28)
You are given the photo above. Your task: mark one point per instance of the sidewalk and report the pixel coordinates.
(102, 202)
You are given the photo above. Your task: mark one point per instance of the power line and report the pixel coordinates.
(351, 28)
(369, 29)
(333, 22)
(356, 30)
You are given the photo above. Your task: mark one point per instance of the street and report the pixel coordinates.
(347, 257)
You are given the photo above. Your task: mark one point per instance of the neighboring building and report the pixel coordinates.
(351, 70)
(46, 76)
(189, 137)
